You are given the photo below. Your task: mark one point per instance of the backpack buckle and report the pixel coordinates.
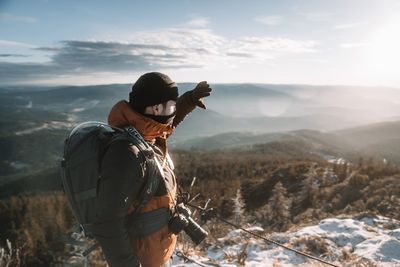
(82, 229)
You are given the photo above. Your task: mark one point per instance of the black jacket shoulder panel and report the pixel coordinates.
(121, 179)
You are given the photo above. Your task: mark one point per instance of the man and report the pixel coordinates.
(154, 109)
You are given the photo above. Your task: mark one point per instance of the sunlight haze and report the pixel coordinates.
(288, 42)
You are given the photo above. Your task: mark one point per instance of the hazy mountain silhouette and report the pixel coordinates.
(375, 140)
(36, 120)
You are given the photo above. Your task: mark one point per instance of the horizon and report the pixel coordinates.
(59, 43)
(44, 85)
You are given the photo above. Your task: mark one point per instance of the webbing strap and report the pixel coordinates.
(83, 195)
(148, 222)
(149, 189)
(152, 180)
(132, 131)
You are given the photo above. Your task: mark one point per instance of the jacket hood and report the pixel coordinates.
(122, 115)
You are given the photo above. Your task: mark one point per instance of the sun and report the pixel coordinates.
(383, 51)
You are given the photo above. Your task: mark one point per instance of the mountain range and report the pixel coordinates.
(331, 122)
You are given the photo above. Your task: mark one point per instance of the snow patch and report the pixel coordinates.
(380, 249)
(72, 118)
(329, 174)
(78, 110)
(52, 125)
(341, 231)
(368, 238)
(395, 233)
(84, 105)
(18, 165)
(339, 161)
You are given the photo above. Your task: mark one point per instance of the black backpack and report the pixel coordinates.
(84, 149)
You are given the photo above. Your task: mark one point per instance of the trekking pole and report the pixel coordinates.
(209, 211)
(90, 249)
(186, 258)
(85, 261)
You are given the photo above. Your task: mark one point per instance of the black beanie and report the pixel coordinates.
(151, 89)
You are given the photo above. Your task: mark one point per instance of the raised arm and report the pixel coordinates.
(187, 102)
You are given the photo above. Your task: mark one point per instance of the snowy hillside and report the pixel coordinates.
(348, 241)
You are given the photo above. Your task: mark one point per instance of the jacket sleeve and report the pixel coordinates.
(120, 182)
(184, 105)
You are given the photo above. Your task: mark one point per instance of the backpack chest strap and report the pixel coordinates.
(148, 222)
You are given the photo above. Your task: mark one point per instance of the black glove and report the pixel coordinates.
(187, 102)
(202, 90)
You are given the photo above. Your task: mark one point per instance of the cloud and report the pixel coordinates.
(17, 72)
(277, 45)
(269, 20)
(317, 16)
(88, 57)
(94, 56)
(347, 26)
(187, 41)
(15, 18)
(207, 48)
(13, 44)
(198, 22)
(239, 54)
(354, 45)
(172, 48)
(261, 49)
(14, 55)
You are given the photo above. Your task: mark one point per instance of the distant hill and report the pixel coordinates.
(379, 140)
(30, 162)
(248, 139)
(35, 121)
(209, 122)
(372, 134)
(349, 106)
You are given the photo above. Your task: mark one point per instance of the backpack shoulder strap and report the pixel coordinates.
(148, 156)
(132, 135)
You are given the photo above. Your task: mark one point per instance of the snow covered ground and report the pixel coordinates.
(349, 241)
(52, 125)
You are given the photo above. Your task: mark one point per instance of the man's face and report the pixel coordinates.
(168, 108)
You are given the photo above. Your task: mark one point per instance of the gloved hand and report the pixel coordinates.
(187, 102)
(201, 90)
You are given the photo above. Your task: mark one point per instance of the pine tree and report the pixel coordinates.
(308, 192)
(239, 206)
(280, 206)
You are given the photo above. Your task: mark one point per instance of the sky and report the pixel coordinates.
(343, 42)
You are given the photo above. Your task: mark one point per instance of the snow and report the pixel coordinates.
(18, 165)
(86, 105)
(329, 174)
(52, 125)
(78, 110)
(341, 231)
(339, 161)
(380, 248)
(374, 239)
(72, 118)
(395, 233)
